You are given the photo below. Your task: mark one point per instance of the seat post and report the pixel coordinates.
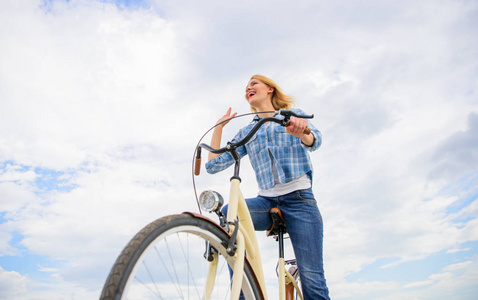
(278, 229)
(280, 238)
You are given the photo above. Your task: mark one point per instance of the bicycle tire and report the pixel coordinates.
(175, 231)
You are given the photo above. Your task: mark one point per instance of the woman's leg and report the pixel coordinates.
(259, 208)
(305, 227)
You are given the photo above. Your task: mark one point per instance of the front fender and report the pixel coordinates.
(196, 215)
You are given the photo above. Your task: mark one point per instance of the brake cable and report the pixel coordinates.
(202, 137)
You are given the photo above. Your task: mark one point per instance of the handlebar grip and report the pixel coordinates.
(197, 162)
(197, 166)
(306, 129)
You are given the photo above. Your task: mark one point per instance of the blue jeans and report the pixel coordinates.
(305, 227)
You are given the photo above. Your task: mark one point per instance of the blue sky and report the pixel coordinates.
(103, 102)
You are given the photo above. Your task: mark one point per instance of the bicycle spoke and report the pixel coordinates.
(152, 280)
(190, 272)
(175, 282)
(174, 266)
(146, 286)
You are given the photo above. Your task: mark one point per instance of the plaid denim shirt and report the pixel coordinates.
(290, 154)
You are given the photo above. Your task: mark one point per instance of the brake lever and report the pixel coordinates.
(288, 113)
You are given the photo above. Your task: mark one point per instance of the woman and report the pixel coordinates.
(280, 159)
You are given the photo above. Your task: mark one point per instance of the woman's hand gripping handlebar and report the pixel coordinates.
(285, 121)
(306, 129)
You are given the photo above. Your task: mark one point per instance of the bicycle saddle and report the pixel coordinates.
(278, 223)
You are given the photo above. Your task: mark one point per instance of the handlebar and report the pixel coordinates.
(232, 146)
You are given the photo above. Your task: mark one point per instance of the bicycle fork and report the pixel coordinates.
(245, 239)
(212, 256)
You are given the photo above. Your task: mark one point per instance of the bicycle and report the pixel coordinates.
(189, 256)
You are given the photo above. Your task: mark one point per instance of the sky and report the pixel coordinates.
(103, 102)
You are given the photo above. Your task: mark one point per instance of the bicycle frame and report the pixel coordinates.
(247, 235)
(246, 242)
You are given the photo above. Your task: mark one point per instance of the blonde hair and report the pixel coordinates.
(279, 99)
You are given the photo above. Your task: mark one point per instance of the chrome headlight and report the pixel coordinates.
(211, 201)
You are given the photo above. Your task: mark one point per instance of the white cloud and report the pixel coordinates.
(458, 266)
(73, 84)
(117, 99)
(419, 284)
(12, 284)
(16, 194)
(5, 237)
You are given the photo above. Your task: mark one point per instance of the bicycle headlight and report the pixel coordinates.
(211, 201)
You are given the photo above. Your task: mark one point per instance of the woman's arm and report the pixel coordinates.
(217, 133)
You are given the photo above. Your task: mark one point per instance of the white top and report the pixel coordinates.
(301, 183)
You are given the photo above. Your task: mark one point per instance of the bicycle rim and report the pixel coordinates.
(166, 260)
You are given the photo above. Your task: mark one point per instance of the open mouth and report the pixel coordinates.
(250, 94)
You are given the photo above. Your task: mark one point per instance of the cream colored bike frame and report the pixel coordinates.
(246, 242)
(238, 207)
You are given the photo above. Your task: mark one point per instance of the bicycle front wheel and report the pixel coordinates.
(166, 260)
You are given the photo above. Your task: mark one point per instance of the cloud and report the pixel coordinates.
(103, 104)
(12, 284)
(458, 266)
(458, 154)
(80, 88)
(16, 186)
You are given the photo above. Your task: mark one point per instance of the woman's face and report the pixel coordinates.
(257, 92)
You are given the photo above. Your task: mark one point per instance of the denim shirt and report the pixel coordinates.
(271, 143)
